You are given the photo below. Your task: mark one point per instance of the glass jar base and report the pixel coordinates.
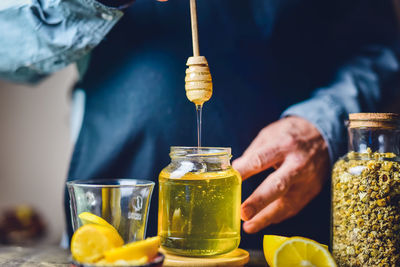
(199, 247)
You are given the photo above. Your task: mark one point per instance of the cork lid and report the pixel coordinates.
(374, 120)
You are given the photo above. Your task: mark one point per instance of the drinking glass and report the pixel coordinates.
(124, 203)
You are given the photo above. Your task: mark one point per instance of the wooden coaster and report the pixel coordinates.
(238, 257)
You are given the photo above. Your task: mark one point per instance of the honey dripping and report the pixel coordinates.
(199, 109)
(198, 81)
(198, 87)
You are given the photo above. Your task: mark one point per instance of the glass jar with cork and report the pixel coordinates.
(366, 193)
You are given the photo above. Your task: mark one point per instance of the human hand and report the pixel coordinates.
(298, 152)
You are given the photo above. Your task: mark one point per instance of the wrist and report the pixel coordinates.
(305, 130)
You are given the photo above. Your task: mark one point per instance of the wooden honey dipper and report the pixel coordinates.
(198, 82)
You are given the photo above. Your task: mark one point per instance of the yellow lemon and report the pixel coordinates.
(282, 251)
(134, 251)
(90, 241)
(90, 218)
(270, 244)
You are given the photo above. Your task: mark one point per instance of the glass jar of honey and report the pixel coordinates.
(366, 193)
(199, 202)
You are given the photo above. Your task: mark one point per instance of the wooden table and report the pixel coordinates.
(47, 256)
(43, 256)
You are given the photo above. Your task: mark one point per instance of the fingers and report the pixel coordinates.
(273, 187)
(276, 212)
(257, 158)
(283, 208)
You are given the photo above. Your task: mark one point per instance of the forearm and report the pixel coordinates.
(359, 86)
(40, 37)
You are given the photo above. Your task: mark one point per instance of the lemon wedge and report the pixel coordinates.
(90, 218)
(90, 241)
(283, 251)
(271, 243)
(134, 251)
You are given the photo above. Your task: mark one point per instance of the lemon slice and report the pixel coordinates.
(302, 252)
(90, 218)
(134, 251)
(91, 240)
(295, 251)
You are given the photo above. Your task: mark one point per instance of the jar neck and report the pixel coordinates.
(210, 158)
(377, 139)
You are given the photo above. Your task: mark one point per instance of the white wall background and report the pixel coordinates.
(35, 146)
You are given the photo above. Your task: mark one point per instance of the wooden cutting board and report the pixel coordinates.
(53, 256)
(238, 257)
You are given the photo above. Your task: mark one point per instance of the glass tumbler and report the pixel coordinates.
(123, 203)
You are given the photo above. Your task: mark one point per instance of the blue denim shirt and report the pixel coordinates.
(39, 37)
(265, 56)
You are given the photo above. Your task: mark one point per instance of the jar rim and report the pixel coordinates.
(109, 183)
(187, 151)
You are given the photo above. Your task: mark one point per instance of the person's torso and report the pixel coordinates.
(263, 56)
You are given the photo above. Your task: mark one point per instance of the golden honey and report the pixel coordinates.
(199, 210)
